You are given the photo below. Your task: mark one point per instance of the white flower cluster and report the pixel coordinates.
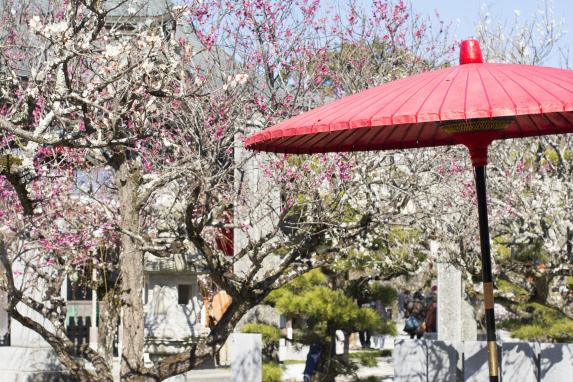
(236, 80)
(49, 30)
(35, 24)
(113, 50)
(56, 28)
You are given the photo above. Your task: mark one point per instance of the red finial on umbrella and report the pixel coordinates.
(470, 52)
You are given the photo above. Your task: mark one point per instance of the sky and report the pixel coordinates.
(465, 14)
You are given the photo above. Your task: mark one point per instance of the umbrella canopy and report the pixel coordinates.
(471, 104)
(412, 112)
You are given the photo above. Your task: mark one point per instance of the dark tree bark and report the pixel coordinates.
(128, 179)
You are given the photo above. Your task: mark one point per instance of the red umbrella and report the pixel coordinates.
(470, 104)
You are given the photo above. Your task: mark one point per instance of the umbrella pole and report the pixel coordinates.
(480, 180)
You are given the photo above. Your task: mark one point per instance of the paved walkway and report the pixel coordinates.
(292, 373)
(207, 375)
(384, 371)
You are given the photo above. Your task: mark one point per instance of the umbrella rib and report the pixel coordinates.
(309, 118)
(556, 79)
(388, 93)
(524, 89)
(280, 142)
(382, 129)
(391, 131)
(366, 100)
(432, 79)
(562, 116)
(532, 119)
(335, 105)
(436, 130)
(311, 143)
(342, 145)
(544, 89)
(503, 88)
(331, 136)
(457, 72)
(422, 126)
(466, 95)
(284, 141)
(548, 119)
(566, 115)
(484, 90)
(401, 141)
(447, 73)
(293, 144)
(549, 78)
(563, 104)
(366, 131)
(519, 127)
(307, 138)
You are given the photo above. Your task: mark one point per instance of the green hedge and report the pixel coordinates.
(272, 372)
(538, 322)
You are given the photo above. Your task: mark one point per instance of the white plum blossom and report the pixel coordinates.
(147, 66)
(236, 80)
(154, 39)
(113, 50)
(56, 28)
(241, 78)
(35, 24)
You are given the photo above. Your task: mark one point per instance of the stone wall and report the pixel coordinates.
(425, 361)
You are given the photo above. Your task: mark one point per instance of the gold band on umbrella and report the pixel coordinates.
(478, 124)
(492, 358)
(488, 295)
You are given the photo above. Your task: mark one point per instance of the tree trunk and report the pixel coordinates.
(128, 178)
(107, 325)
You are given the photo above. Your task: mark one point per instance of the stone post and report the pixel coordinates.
(246, 357)
(289, 329)
(456, 320)
(93, 327)
(4, 326)
(449, 303)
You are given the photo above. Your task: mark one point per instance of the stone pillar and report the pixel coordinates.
(93, 327)
(246, 357)
(456, 321)
(4, 326)
(449, 303)
(289, 329)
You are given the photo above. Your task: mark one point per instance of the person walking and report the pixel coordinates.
(431, 317)
(403, 298)
(366, 335)
(415, 315)
(311, 361)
